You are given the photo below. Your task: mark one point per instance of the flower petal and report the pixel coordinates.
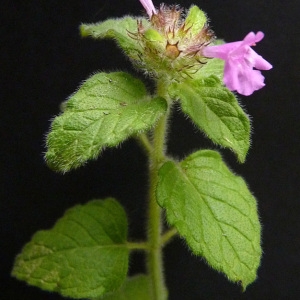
(257, 61)
(230, 76)
(251, 38)
(149, 7)
(240, 59)
(220, 51)
(252, 80)
(242, 78)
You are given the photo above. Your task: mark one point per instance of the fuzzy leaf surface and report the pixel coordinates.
(195, 20)
(134, 288)
(212, 67)
(215, 213)
(121, 30)
(106, 110)
(83, 256)
(215, 110)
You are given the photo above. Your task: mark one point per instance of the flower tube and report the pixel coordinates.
(240, 61)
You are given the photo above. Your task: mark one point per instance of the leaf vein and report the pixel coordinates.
(70, 219)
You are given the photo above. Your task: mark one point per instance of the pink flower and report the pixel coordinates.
(240, 59)
(149, 7)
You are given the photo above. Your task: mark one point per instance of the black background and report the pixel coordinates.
(43, 60)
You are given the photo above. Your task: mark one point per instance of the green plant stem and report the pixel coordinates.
(168, 236)
(154, 230)
(138, 246)
(155, 263)
(145, 143)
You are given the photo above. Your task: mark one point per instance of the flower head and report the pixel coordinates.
(172, 40)
(240, 59)
(176, 43)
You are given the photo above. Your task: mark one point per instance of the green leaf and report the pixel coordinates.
(83, 256)
(195, 20)
(214, 211)
(121, 30)
(106, 110)
(134, 288)
(212, 67)
(215, 110)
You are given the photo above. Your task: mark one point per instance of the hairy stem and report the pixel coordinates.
(145, 143)
(168, 236)
(154, 230)
(137, 246)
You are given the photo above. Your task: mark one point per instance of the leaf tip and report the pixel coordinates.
(83, 30)
(245, 284)
(57, 164)
(241, 157)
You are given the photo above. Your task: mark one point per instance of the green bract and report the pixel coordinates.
(215, 213)
(215, 110)
(84, 255)
(195, 20)
(120, 30)
(107, 109)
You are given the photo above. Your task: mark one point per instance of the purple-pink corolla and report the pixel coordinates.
(149, 7)
(240, 59)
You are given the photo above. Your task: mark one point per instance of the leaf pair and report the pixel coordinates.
(110, 107)
(85, 255)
